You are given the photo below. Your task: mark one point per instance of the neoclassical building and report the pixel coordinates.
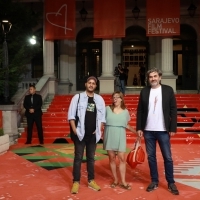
(65, 63)
(70, 60)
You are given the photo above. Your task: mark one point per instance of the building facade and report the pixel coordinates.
(70, 61)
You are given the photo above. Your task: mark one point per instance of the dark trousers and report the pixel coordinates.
(163, 138)
(38, 122)
(79, 147)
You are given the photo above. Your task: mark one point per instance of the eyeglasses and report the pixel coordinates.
(116, 97)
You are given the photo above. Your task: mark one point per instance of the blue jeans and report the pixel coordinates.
(79, 147)
(122, 88)
(163, 138)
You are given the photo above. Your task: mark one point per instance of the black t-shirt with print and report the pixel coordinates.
(90, 118)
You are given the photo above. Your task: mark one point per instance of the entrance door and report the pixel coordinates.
(189, 53)
(185, 64)
(88, 61)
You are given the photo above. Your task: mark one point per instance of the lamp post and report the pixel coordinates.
(83, 12)
(136, 11)
(6, 26)
(191, 10)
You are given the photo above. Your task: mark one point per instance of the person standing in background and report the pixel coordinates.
(117, 80)
(33, 113)
(122, 78)
(126, 71)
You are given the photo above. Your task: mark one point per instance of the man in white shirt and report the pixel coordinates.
(157, 122)
(91, 113)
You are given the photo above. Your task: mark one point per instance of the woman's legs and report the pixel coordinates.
(113, 167)
(122, 167)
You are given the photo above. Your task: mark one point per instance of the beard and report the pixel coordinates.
(154, 83)
(90, 89)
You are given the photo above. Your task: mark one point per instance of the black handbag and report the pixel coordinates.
(72, 135)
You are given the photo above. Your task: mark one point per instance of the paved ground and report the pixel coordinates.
(44, 173)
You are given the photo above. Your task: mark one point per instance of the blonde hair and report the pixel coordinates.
(123, 106)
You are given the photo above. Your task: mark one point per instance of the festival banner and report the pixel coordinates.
(163, 18)
(59, 19)
(109, 19)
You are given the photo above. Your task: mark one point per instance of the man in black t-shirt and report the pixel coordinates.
(90, 119)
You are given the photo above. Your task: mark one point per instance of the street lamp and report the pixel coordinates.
(191, 10)
(136, 11)
(6, 26)
(32, 40)
(83, 12)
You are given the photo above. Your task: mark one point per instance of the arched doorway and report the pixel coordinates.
(88, 56)
(135, 49)
(185, 58)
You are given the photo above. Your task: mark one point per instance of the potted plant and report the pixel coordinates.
(4, 141)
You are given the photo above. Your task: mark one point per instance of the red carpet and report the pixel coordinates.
(44, 173)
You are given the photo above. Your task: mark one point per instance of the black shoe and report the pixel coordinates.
(173, 189)
(152, 186)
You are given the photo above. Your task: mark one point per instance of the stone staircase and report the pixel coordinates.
(56, 126)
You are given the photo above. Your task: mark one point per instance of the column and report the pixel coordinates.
(167, 56)
(107, 58)
(48, 71)
(48, 55)
(64, 85)
(107, 79)
(151, 56)
(158, 55)
(168, 77)
(64, 69)
(67, 66)
(116, 52)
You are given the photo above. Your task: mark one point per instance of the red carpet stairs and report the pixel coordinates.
(56, 126)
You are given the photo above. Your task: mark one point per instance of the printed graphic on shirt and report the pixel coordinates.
(155, 102)
(90, 107)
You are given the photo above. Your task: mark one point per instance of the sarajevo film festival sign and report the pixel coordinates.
(163, 18)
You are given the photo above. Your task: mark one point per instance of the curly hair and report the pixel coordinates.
(153, 70)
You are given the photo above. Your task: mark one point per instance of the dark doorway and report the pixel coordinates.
(88, 62)
(88, 57)
(189, 78)
(185, 59)
(135, 50)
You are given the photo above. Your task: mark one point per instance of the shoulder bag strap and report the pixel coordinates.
(77, 105)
